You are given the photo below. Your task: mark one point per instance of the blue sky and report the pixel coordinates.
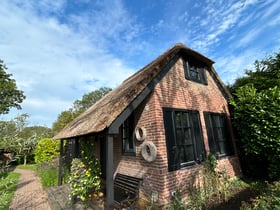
(59, 50)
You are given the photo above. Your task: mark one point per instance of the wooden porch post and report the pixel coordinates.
(109, 205)
(59, 182)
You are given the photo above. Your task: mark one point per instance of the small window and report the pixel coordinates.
(184, 138)
(128, 136)
(195, 71)
(218, 134)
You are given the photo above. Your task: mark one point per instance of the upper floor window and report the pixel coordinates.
(184, 139)
(195, 71)
(218, 134)
(128, 143)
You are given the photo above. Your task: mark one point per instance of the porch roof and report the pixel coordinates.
(104, 112)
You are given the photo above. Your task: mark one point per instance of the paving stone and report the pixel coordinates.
(29, 194)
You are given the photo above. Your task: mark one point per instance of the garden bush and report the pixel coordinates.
(269, 199)
(48, 172)
(85, 174)
(257, 119)
(8, 184)
(46, 150)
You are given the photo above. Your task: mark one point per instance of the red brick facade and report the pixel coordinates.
(173, 91)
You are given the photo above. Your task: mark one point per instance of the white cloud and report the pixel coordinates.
(52, 63)
(60, 50)
(234, 66)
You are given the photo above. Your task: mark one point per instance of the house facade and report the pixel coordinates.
(168, 116)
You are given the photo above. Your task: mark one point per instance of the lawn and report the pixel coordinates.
(32, 167)
(8, 184)
(47, 172)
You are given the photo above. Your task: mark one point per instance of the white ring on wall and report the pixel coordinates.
(148, 151)
(140, 133)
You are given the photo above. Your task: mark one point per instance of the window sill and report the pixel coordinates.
(223, 156)
(129, 154)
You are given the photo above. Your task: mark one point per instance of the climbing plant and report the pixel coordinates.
(85, 173)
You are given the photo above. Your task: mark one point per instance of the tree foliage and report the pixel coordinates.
(266, 74)
(9, 94)
(46, 150)
(256, 115)
(19, 139)
(79, 106)
(257, 119)
(90, 99)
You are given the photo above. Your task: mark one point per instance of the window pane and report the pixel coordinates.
(127, 136)
(188, 137)
(177, 119)
(179, 136)
(220, 140)
(181, 153)
(185, 119)
(130, 143)
(223, 147)
(189, 153)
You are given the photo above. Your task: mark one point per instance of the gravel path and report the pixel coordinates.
(29, 193)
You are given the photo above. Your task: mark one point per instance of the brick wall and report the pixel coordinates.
(173, 91)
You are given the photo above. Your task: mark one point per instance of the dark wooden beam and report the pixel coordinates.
(109, 205)
(114, 127)
(59, 182)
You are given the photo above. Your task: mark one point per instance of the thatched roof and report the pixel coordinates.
(103, 113)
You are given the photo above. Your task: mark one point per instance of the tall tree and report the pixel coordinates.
(265, 75)
(18, 138)
(9, 94)
(79, 106)
(90, 99)
(257, 119)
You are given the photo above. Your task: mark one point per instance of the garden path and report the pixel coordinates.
(29, 194)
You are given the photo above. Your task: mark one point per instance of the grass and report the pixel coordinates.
(8, 184)
(32, 167)
(48, 176)
(269, 197)
(9, 180)
(47, 172)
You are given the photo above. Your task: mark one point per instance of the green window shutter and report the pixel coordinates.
(187, 70)
(172, 150)
(210, 132)
(200, 148)
(230, 150)
(203, 76)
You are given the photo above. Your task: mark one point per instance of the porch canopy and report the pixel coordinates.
(110, 112)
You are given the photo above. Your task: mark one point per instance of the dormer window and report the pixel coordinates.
(195, 72)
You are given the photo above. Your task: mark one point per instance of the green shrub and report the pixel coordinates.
(206, 191)
(8, 184)
(46, 150)
(257, 119)
(48, 173)
(269, 199)
(85, 174)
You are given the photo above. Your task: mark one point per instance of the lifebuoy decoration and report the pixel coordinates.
(140, 133)
(148, 151)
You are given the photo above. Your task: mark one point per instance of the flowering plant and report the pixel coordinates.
(85, 174)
